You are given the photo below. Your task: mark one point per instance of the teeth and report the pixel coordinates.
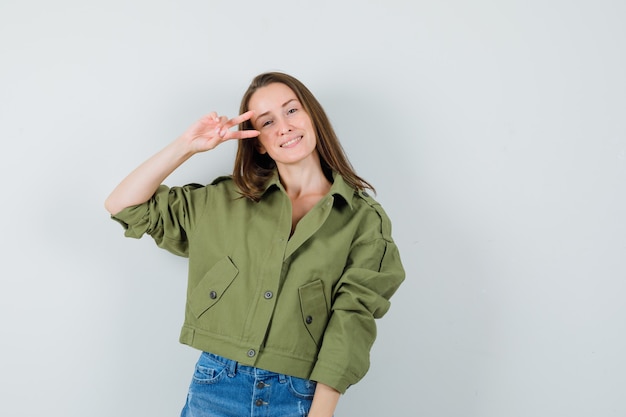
(291, 142)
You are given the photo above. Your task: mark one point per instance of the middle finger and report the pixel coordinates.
(239, 119)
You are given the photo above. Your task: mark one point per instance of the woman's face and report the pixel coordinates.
(287, 133)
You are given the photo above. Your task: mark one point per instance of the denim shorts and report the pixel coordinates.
(223, 388)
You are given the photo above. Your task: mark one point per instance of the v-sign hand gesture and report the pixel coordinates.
(212, 129)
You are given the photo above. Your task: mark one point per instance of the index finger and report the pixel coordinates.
(243, 134)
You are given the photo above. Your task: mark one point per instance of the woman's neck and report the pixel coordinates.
(304, 178)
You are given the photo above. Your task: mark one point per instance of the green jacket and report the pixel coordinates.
(302, 305)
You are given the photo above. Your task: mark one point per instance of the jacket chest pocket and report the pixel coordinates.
(314, 308)
(212, 287)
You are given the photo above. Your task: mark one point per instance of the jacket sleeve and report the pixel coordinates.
(167, 217)
(372, 275)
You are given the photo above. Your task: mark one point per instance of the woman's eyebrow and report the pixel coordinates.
(283, 105)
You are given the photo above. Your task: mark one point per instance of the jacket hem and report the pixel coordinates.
(247, 354)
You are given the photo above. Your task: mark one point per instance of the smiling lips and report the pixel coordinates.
(291, 142)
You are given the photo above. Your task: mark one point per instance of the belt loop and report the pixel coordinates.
(232, 368)
(282, 378)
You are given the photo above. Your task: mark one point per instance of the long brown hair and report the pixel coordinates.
(253, 169)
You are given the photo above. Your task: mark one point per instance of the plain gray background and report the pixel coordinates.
(495, 132)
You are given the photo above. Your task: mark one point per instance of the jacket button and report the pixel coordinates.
(309, 320)
(268, 295)
(213, 295)
(251, 353)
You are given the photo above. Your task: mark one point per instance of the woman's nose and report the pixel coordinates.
(283, 127)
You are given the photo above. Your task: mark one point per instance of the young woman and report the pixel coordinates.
(290, 260)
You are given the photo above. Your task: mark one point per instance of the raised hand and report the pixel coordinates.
(205, 134)
(212, 129)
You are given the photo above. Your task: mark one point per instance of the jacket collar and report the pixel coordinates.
(339, 187)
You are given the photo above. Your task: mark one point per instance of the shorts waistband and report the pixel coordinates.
(235, 367)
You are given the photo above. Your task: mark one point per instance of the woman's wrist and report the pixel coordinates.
(325, 401)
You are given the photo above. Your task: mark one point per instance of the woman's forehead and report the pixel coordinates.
(271, 93)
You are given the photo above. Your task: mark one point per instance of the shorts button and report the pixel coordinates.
(258, 402)
(260, 385)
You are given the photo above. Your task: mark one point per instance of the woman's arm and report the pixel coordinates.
(324, 401)
(373, 272)
(204, 135)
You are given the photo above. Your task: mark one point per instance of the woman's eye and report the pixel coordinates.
(266, 123)
(290, 111)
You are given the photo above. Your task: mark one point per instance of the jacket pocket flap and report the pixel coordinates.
(210, 290)
(314, 309)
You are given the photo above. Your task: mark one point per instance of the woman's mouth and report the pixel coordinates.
(291, 142)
